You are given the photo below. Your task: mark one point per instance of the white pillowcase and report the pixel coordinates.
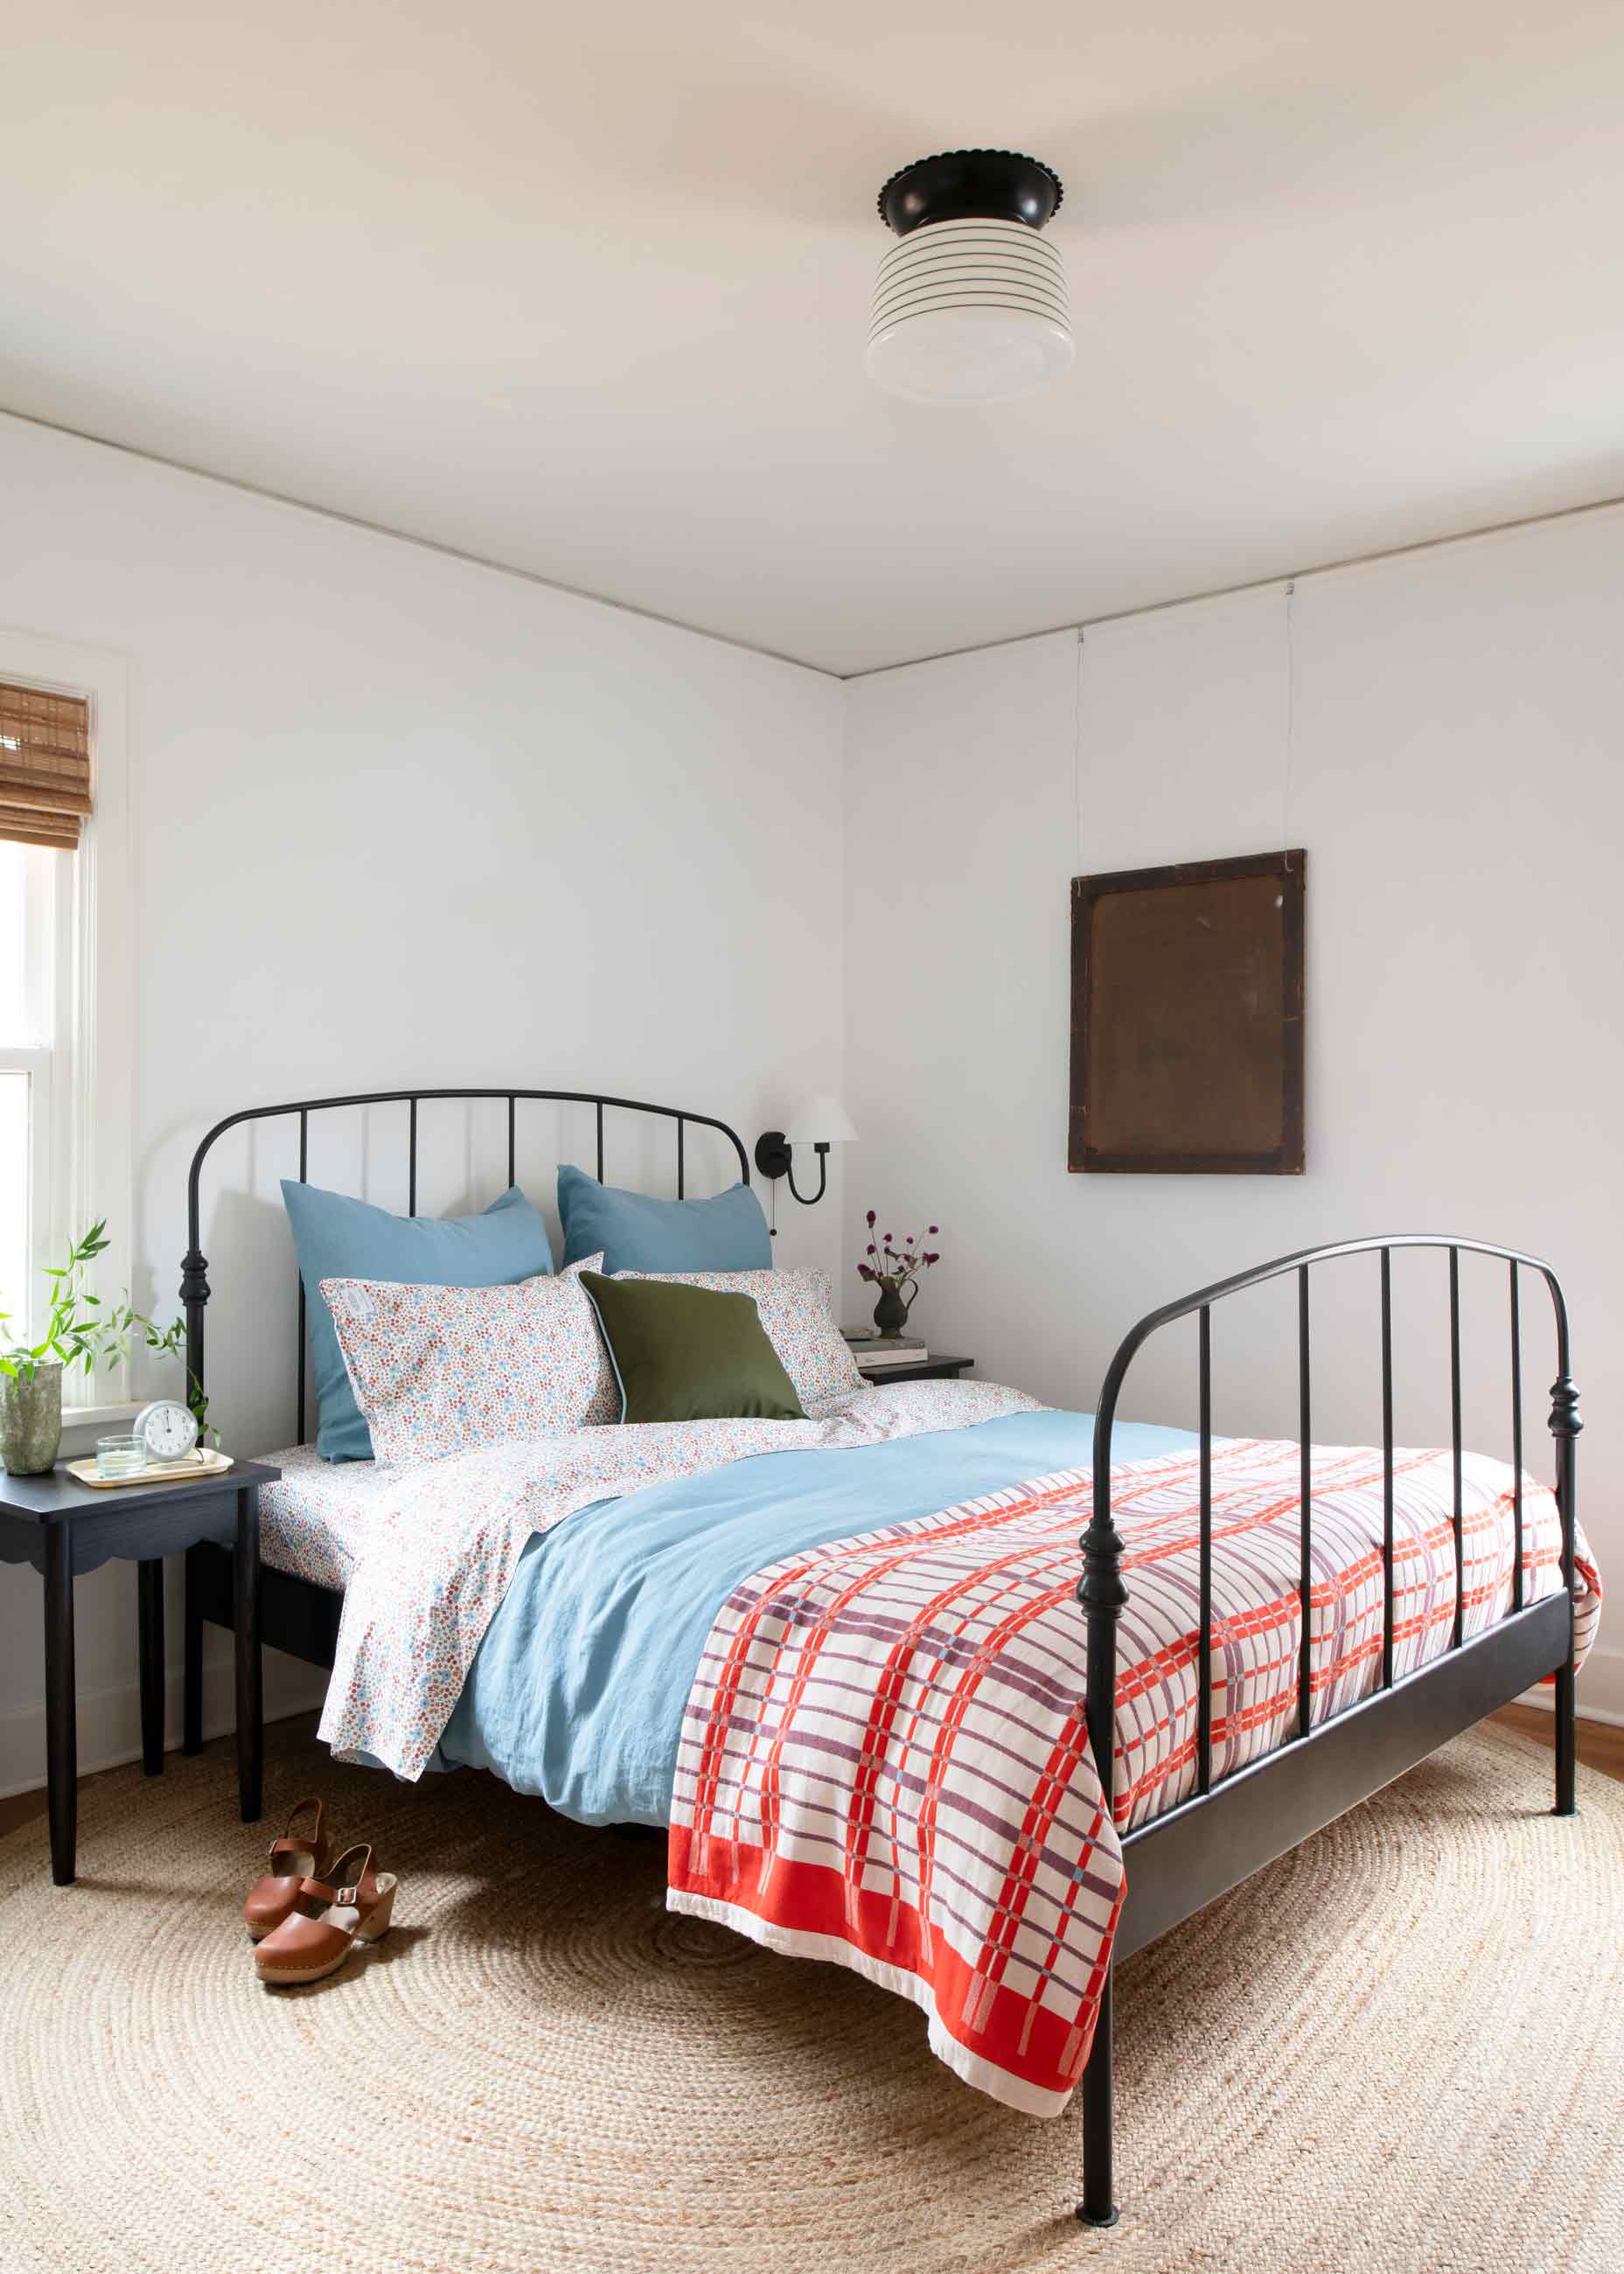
(442, 1370)
(795, 1314)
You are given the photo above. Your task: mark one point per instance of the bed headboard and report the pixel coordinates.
(195, 1287)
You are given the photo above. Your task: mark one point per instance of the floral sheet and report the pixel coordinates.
(885, 1761)
(442, 1539)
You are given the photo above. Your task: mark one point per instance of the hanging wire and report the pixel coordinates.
(1285, 787)
(1077, 747)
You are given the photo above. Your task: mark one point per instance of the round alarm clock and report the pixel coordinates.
(167, 1429)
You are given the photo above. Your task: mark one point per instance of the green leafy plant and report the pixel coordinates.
(82, 1330)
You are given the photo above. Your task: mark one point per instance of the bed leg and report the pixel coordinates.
(1565, 1427)
(1567, 1751)
(1096, 2208)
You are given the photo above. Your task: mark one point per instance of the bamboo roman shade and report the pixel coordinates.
(44, 766)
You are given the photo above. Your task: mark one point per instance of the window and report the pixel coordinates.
(65, 976)
(28, 1029)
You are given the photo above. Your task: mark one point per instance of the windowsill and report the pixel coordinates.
(100, 1417)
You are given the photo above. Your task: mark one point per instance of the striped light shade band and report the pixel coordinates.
(969, 312)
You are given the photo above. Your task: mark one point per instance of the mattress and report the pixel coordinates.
(579, 1688)
(314, 1521)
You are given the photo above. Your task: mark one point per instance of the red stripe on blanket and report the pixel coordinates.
(996, 2025)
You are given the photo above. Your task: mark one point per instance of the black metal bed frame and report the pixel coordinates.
(1181, 1860)
(297, 1616)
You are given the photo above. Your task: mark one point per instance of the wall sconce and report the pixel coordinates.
(818, 1121)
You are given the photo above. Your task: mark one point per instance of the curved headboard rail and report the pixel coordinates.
(195, 1287)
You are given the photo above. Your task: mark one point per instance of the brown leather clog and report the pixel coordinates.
(296, 1855)
(317, 1935)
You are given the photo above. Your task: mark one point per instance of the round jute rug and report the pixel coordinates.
(1402, 2048)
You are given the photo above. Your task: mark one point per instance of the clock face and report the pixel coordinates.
(169, 1431)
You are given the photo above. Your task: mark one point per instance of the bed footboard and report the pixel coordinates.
(1221, 1834)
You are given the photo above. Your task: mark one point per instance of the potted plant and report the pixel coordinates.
(79, 1331)
(891, 1269)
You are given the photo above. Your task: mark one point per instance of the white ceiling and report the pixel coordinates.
(585, 291)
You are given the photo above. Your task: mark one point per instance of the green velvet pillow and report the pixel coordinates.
(689, 1354)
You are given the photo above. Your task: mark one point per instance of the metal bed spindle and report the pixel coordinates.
(1204, 1634)
(1305, 1562)
(1565, 1427)
(299, 1275)
(1517, 1440)
(1454, 1440)
(1387, 1468)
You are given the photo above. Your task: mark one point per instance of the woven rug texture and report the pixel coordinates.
(1401, 2049)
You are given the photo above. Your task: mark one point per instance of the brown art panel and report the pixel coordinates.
(1187, 1018)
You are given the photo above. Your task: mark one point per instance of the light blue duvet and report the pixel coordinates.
(578, 1689)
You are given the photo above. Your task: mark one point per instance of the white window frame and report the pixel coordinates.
(87, 1170)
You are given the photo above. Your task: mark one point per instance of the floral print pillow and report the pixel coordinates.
(444, 1370)
(795, 1313)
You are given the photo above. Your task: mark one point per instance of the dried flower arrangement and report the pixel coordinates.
(890, 1268)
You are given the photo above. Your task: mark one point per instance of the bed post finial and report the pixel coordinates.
(1565, 1425)
(1101, 1594)
(1565, 1420)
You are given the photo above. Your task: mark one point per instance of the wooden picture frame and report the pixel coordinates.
(1187, 1018)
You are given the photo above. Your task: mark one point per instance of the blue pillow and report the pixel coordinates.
(336, 1237)
(635, 1233)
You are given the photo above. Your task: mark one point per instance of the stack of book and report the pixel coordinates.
(871, 1349)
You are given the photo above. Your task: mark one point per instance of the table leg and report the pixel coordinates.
(250, 1697)
(149, 1623)
(60, 1732)
(192, 1656)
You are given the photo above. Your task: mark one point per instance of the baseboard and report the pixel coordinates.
(109, 1720)
(1601, 1687)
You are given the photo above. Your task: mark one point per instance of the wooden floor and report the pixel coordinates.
(1600, 1747)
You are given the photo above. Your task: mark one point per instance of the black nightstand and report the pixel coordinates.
(61, 1528)
(934, 1369)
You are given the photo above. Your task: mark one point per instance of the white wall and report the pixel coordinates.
(401, 819)
(1454, 723)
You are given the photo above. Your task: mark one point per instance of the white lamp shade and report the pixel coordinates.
(818, 1117)
(969, 312)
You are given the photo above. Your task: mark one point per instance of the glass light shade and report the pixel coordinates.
(818, 1117)
(969, 312)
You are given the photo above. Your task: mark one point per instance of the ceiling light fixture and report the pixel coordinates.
(970, 306)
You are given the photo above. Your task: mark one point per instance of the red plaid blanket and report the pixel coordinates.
(885, 1763)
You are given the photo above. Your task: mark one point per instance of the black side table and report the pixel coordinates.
(63, 1527)
(932, 1369)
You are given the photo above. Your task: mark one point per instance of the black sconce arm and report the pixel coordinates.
(775, 1157)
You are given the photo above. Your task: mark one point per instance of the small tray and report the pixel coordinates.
(204, 1463)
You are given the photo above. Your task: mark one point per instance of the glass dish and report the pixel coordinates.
(120, 1456)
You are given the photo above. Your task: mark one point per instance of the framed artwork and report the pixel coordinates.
(1187, 1018)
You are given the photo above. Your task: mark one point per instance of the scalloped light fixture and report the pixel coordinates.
(970, 305)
